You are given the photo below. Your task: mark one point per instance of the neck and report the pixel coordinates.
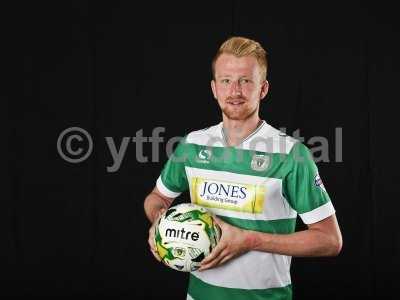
(237, 130)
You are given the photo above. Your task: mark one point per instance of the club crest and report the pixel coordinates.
(260, 162)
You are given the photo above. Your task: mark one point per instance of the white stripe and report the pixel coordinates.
(275, 205)
(269, 139)
(164, 190)
(188, 297)
(210, 137)
(252, 270)
(318, 214)
(264, 139)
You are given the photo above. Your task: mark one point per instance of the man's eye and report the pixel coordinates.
(225, 81)
(243, 80)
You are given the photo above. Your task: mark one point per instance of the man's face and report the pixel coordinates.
(238, 86)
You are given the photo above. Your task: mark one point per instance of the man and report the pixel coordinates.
(265, 178)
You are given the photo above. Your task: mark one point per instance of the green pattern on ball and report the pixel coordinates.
(163, 252)
(185, 255)
(204, 217)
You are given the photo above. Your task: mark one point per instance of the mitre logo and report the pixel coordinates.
(182, 234)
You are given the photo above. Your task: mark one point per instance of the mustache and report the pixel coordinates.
(235, 98)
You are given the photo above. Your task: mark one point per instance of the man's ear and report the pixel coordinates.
(213, 89)
(264, 89)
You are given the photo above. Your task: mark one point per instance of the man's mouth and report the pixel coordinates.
(235, 102)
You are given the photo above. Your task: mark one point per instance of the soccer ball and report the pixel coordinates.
(185, 234)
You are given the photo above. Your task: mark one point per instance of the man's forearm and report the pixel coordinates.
(153, 204)
(303, 243)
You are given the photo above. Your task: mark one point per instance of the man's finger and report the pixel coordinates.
(213, 263)
(214, 253)
(151, 244)
(225, 259)
(217, 220)
(160, 213)
(155, 254)
(151, 238)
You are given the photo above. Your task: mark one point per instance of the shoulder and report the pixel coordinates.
(210, 136)
(272, 140)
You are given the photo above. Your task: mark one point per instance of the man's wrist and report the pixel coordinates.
(255, 239)
(251, 238)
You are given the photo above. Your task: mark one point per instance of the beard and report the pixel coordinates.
(241, 112)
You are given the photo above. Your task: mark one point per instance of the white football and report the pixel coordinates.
(185, 234)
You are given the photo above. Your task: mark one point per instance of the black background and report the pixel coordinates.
(114, 69)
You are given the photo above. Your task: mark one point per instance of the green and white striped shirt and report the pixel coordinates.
(260, 185)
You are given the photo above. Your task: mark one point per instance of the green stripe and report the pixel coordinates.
(199, 290)
(230, 159)
(282, 226)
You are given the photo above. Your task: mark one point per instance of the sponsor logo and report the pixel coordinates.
(182, 234)
(228, 195)
(204, 156)
(260, 162)
(318, 182)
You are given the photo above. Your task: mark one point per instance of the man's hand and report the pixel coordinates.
(322, 238)
(233, 242)
(155, 205)
(152, 245)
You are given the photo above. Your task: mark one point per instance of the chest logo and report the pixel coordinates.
(204, 156)
(242, 197)
(260, 162)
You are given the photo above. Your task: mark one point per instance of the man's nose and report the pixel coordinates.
(236, 88)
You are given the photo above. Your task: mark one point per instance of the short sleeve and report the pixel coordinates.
(173, 181)
(303, 187)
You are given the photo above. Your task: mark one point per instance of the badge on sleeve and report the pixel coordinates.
(318, 182)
